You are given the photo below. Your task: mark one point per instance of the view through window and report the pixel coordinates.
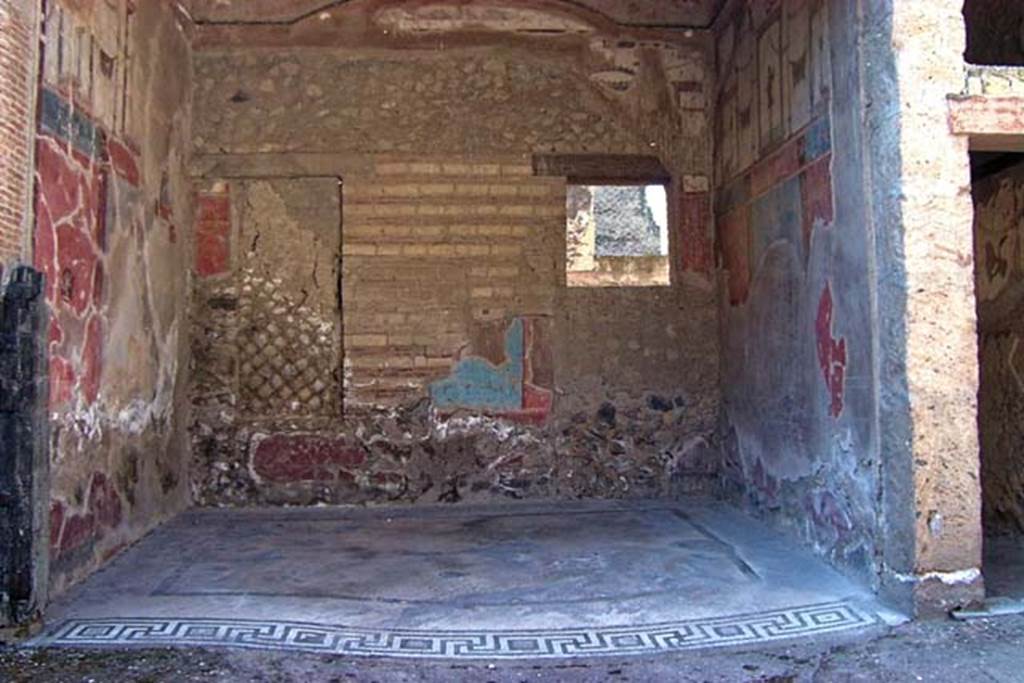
(617, 236)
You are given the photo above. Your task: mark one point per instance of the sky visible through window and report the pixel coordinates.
(657, 201)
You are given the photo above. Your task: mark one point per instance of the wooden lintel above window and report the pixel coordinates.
(602, 169)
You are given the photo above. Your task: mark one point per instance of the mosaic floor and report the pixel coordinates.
(522, 581)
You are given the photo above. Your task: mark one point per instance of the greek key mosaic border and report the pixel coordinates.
(748, 629)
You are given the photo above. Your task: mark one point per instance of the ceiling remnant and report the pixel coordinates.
(652, 13)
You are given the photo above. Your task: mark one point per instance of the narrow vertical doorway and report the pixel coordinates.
(998, 191)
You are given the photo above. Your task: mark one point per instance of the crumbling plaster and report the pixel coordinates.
(111, 203)
(797, 360)
(838, 424)
(423, 140)
(879, 469)
(938, 243)
(692, 13)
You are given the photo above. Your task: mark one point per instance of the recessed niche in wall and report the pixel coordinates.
(617, 236)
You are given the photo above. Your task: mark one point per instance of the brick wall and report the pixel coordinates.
(452, 289)
(18, 48)
(469, 370)
(432, 246)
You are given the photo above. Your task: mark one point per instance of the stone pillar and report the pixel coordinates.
(928, 369)
(24, 455)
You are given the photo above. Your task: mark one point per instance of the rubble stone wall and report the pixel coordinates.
(452, 362)
(111, 202)
(999, 269)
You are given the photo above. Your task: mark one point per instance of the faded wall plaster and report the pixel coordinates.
(797, 353)
(109, 202)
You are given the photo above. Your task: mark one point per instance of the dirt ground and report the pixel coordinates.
(976, 652)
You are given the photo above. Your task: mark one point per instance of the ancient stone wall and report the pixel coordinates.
(924, 277)
(797, 361)
(110, 208)
(450, 362)
(999, 245)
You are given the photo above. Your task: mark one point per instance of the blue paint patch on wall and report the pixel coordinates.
(817, 140)
(777, 215)
(57, 118)
(55, 115)
(477, 384)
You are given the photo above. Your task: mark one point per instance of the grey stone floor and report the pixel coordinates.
(498, 583)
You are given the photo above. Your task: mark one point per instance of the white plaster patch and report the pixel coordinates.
(470, 424)
(254, 445)
(955, 578)
(135, 416)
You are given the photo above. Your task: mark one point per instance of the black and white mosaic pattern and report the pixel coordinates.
(690, 634)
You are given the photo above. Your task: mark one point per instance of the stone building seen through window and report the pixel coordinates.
(617, 236)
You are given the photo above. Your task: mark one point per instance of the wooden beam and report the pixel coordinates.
(603, 169)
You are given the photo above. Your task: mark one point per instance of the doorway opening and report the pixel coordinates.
(998, 191)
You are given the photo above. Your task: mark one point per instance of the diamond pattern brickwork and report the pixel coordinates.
(289, 360)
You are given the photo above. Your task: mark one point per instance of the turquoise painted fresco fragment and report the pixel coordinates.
(480, 385)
